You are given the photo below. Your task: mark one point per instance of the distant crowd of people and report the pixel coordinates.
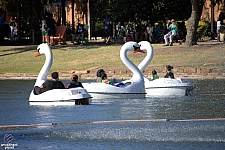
(159, 32)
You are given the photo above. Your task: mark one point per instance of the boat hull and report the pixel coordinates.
(106, 91)
(96, 95)
(61, 97)
(169, 87)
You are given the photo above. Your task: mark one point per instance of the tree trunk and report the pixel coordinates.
(35, 21)
(19, 18)
(73, 26)
(63, 13)
(197, 6)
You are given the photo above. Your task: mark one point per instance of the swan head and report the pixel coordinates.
(137, 49)
(145, 45)
(42, 49)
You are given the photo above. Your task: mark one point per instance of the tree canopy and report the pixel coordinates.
(30, 11)
(124, 10)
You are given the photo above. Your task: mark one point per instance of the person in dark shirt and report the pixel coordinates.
(81, 30)
(1, 31)
(169, 73)
(74, 82)
(130, 33)
(51, 28)
(49, 84)
(139, 27)
(108, 25)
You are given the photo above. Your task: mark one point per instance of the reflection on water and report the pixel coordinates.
(206, 104)
(159, 135)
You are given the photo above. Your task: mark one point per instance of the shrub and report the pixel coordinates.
(98, 26)
(202, 29)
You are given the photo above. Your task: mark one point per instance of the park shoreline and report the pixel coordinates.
(200, 70)
(121, 74)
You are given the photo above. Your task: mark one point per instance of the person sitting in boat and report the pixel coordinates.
(169, 73)
(105, 80)
(49, 84)
(99, 74)
(74, 82)
(154, 75)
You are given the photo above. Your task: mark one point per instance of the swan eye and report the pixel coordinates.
(38, 49)
(135, 47)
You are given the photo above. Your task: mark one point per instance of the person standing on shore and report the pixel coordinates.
(108, 28)
(139, 27)
(1, 30)
(44, 30)
(51, 24)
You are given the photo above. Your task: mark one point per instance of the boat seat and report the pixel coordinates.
(127, 83)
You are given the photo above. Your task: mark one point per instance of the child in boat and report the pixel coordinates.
(74, 82)
(169, 73)
(154, 75)
(105, 80)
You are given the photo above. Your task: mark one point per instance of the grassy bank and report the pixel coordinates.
(20, 59)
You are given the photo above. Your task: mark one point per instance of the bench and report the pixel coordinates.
(60, 35)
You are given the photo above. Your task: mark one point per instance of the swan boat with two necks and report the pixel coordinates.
(132, 88)
(70, 96)
(163, 86)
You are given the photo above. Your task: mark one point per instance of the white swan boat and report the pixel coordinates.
(56, 96)
(133, 88)
(163, 86)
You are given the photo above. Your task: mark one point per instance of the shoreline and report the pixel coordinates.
(199, 69)
(122, 75)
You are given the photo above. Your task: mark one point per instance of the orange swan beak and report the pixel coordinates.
(138, 50)
(37, 54)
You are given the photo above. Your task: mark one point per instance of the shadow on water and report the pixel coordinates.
(210, 87)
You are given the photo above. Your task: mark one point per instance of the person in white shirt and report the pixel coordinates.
(150, 30)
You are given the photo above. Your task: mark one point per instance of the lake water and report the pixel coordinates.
(174, 123)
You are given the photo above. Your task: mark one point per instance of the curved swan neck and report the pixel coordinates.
(137, 75)
(46, 68)
(148, 58)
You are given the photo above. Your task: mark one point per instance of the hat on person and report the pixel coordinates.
(55, 75)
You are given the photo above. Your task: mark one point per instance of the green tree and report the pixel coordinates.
(197, 7)
(124, 10)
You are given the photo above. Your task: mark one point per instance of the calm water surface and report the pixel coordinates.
(81, 127)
